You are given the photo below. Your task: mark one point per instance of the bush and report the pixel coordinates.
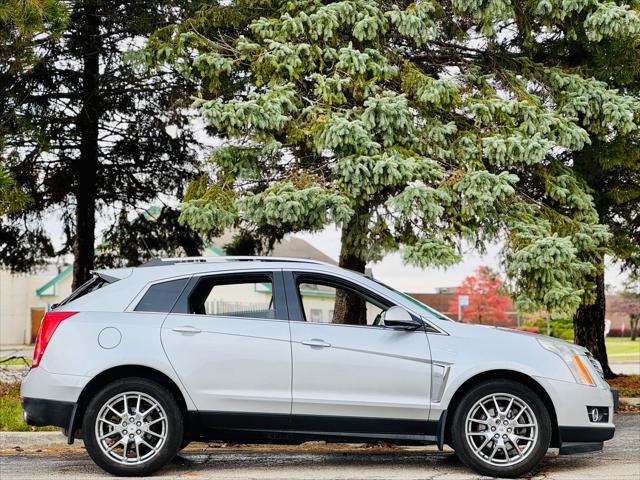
(562, 328)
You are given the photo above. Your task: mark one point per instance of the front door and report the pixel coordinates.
(228, 340)
(354, 378)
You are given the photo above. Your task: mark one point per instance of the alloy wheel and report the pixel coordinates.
(501, 429)
(131, 428)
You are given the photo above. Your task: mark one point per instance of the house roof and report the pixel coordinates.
(290, 246)
(63, 274)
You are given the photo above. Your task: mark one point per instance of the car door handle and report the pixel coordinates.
(316, 342)
(186, 329)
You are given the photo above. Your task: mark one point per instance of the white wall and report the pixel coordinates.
(17, 298)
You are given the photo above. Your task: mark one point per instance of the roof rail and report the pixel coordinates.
(156, 262)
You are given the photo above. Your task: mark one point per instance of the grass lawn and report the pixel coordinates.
(15, 361)
(11, 411)
(622, 348)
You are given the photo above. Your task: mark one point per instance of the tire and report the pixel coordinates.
(161, 427)
(184, 444)
(476, 414)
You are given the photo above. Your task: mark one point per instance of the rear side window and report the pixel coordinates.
(250, 296)
(89, 286)
(161, 296)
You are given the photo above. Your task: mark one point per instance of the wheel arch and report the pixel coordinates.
(507, 375)
(115, 373)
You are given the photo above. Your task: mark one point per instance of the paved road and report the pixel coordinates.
(620, 461)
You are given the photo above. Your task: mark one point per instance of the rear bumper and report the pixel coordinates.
(583, 439)
(40, 412)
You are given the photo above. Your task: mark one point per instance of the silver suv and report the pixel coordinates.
(141, 361)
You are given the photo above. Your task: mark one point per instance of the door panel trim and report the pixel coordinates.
(220, 425)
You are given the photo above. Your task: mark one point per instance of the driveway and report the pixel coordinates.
(620, 460)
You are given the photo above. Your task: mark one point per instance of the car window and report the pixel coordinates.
(250, 297)
(324, 301)
(93, 284)
(161, 297)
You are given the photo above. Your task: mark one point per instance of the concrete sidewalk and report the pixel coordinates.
(35, 440)
(16, 350)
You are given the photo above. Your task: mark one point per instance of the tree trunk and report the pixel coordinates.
(634, 327)
(87, 162)
(588, 326)
(349, 308)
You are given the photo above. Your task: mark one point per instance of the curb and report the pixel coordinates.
(635, 401)
(35, 440)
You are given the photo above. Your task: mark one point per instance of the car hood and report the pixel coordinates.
(501, 332)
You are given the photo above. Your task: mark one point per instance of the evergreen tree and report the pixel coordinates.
(414, 126)
(610, 167)
(84, 131)
(18, 22)
(153, 234)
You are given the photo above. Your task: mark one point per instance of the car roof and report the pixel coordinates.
(226, 259)
(180, 266)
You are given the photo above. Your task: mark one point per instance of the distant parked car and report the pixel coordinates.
(141, 361)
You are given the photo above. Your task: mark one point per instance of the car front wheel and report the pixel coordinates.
(133, 427)
(501, 428)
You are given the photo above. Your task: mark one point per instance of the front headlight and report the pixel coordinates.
(572, 357)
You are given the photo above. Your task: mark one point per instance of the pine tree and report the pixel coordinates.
(414, 126)
(610, 167)
(19, 21)
(83, 130)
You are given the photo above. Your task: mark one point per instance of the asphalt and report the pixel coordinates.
(620, 460)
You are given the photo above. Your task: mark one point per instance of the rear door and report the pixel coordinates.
(228, 339)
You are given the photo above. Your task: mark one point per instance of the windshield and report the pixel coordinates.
(428, 311)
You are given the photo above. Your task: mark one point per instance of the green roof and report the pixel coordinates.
(214, 249)
(64, 273)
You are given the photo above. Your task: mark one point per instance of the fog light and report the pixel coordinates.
(598, 414)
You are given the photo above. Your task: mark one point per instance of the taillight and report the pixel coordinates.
(50, 322)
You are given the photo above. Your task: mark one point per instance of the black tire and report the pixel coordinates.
(174, 427)
(185, 443)
(534, 453)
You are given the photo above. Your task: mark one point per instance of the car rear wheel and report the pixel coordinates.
(133, 427)
(501, 428)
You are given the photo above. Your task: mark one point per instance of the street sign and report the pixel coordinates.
(463, 301)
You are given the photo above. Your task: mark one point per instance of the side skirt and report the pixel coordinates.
(276, 428)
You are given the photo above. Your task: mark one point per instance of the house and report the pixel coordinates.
(24, 298)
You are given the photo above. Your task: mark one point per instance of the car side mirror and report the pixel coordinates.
(398, 318)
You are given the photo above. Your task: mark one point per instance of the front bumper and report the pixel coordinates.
(40, 412)
(576, 432)
(583, 439)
